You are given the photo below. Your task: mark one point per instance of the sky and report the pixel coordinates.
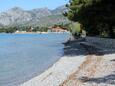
(30, 4)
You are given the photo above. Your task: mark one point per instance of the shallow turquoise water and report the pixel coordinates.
(23, 56)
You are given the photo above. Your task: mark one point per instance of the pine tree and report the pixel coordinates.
(97, 16)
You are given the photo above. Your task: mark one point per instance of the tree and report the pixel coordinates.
(97, 16)
(36, 29)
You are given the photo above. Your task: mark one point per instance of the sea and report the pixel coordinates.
(24, 56)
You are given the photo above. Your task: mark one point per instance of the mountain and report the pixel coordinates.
(16, 15)
(40, 17)
(59, 10)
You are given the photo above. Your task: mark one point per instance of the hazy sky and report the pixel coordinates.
(31, 4)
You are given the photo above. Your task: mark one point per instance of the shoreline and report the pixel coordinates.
(81, 65)
(56, 74)
(99, 67)
(30, 33)
(38, 32)
(60, 70)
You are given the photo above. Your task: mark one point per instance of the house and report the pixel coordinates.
(56, 29)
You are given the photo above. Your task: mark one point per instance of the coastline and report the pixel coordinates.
(30, 33)
(99, 67)
(61, 70)
(38, 32)
(81, 65)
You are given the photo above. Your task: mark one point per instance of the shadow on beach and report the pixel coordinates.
(109, 79)
(89, 67)
(82, 47)
(73, 48)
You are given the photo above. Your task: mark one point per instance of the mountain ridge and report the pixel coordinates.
(19, 16)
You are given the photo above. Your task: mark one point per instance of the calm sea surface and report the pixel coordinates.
(23, 56)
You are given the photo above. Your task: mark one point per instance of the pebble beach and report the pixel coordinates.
(78, 67)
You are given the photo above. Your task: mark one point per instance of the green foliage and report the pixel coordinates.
(36, 29)
(44, 29)
(22, 28)
(8, 29)
(2, 30)
(76, 27)
(98, 16)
